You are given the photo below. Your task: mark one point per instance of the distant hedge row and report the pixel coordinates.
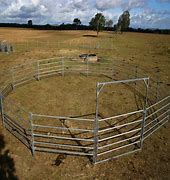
(81, 27)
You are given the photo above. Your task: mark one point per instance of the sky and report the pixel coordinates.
(144, 13)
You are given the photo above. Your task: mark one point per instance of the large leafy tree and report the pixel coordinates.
(30, 22)
(77, 22)
(123, 21)
(109, 23)
(98, 22)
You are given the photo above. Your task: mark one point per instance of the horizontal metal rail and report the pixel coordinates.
(23, 77)
(100, 71)
(118, 142)
(118, 148)
(51, 67)
(16, 129)
(46, 64)
(46, 75)
(76, 70)
(22, 139)
(118, 135)
(14, 122)
(155, 130)
(61, 137)
(62, 128)
(123, 81)
(115, 157)
(62, 117)
(146, 125)
(76, 64)
(46, 60)
(157, 111)
(145, 132)
(63, 145)
(158, 102)
(47, 72)
(6, 89)
(63, 151)
(26, 75)
(120, 126)
(121, 115)
(22, 82)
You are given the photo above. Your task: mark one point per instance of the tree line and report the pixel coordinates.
(97, 23)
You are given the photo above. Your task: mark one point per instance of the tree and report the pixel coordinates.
(98, 22)
(76, 22)
(30, 22)
(123, 21)
(109, 23)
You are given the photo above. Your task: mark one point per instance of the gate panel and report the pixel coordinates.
(119, 135)
(63, 135)
(122, 134)
(50, 67)
(157, 115)
(23, 74)
(16, 121)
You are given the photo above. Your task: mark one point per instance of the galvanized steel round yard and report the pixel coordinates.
(98, 137)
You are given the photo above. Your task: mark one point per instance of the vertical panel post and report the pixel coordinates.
(96, 126)
(144, 112)
(32, 134)
(2, 109)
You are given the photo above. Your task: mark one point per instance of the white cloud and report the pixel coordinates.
(23, 10)
(127, 4)
(150, 18)
(107, 4)
(35, 2)
(51, 11)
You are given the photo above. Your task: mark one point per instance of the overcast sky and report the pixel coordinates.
(144, 13)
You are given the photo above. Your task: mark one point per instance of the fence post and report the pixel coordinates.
(144, 113)
(96, 126)
(2, 109)
(38, 70)
(32, 134)
(62, 62)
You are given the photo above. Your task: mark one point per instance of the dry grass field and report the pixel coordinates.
(75, 95)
